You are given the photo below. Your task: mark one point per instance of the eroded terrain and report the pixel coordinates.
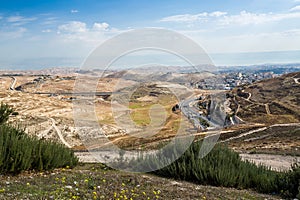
(266, 113)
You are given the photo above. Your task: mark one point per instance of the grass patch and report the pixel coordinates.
(96, 181)
(140, 113)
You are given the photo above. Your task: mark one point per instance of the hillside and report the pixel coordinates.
(161, 74)
(270, 101)
(269, 111)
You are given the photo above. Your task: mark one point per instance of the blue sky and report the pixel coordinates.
(62, 33)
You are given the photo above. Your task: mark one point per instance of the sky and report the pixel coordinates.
(51, 33)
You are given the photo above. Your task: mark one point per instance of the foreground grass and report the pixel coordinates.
(96, 181)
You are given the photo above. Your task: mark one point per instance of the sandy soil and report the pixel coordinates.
(276, 162)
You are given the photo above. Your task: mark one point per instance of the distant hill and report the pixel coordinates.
(270, 101)
(164, 75)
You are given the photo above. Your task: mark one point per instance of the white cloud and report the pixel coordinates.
(12, 34)
(20, 20)
(247, 18)
(47, 31)
(74, 11)
(193, 18)
(243, 18)
(100, 26)
(50, 21)
(73, 27)
(75, 31)
(217, 14)
(185, 18)
(296, 8)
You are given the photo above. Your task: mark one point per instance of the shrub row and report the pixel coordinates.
(222, 167)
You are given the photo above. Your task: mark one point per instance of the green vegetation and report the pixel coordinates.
(223, 167)
(140, 113)
(203, 122)
(5, 111)
(97, 181)
(19, 152)
(144, 97)
(289, 183)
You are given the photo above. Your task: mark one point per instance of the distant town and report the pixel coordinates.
(237, 76)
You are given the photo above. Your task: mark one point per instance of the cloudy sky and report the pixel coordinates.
(62, 33)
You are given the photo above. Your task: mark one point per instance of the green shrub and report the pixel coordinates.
(222, 167)
(5, 111)
(19, 152)
(289, 182)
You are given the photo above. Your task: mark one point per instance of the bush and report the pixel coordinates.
(223, 167)
(289, 183)
(5, 111)
(19, 152)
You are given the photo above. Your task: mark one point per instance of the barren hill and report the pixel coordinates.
(272, 106)
(270, 101)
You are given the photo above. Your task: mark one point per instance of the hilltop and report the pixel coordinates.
(269, 115)
(270, 101)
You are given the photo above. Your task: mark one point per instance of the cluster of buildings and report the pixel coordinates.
(235, 79)
(228, 81)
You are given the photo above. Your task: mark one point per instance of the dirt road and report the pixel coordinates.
(245, 134)
(13, 83)
(59, 133)
(276, 162)
(267, 109)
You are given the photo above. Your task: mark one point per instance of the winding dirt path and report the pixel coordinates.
(266, 104)
(250, 95)
(267, 109)
(13, 84)
(61, 137)
(45, 132)
(245, 134)
(259, 130)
